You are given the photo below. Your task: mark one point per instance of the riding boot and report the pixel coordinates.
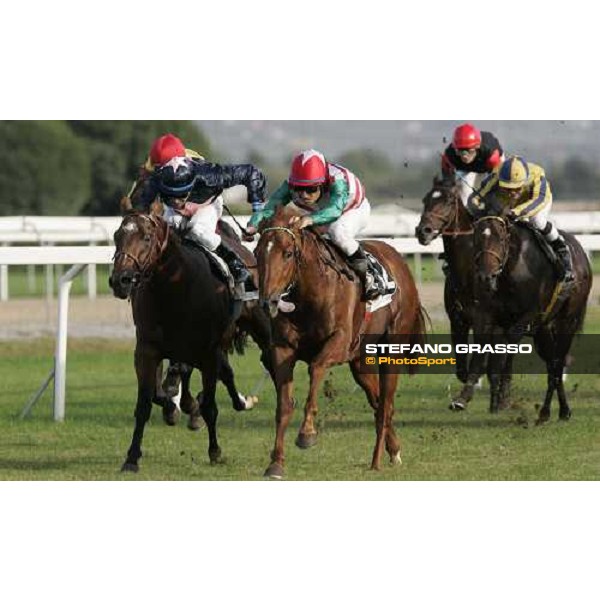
(360, 265)
(563, 252)
(237, 268)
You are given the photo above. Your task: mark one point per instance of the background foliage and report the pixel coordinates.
(77, 167)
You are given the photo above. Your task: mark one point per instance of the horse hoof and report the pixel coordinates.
(305, 441)
(130, 468)
(195, 423)
(396, 459)
(458, 405)
(542, 420)
(275, 472)
(245, 403)
(171, 414)
(216, 458)
(565, 416)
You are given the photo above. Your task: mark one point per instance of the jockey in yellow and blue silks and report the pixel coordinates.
(523, 188)
(327, 194)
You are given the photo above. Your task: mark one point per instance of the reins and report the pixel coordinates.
(501, 259)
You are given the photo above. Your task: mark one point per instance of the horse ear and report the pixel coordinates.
(157, 208)
(126, 205)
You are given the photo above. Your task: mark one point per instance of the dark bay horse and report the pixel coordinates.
(181, 309)
(444, 214)
(252, 322)
(516, 292)
(325, 327)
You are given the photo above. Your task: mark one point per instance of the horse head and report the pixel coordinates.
(442, 211)
(278, 256)
(491, 245)
(140, 242)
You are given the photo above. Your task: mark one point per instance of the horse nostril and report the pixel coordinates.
(126, 279)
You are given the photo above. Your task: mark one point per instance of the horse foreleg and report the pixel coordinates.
(284, 361)
(459, 332)
(307, 437)
(384, 415)
(146, 364)
(208, 409)
(166, 392)
(189, 405)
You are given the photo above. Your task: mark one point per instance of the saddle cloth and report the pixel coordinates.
(238, 292)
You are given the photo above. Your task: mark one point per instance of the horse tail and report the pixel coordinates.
(419, 333)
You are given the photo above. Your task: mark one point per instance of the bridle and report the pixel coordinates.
(156, 251)
(297, 253)
(452, 228)
(502, 260)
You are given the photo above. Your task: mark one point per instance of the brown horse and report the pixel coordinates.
(182, 311)
(252, 321)
(516, 291)
(445, 215)
(325, 327)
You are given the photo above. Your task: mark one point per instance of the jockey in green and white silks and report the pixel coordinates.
(331, 195)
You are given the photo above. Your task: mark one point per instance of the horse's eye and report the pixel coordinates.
(288, 254)
(147, 238)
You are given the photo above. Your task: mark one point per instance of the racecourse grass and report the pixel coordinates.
(437, 444)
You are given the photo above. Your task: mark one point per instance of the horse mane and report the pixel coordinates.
(281, 218)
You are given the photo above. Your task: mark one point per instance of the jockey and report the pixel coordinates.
(472, 155)
(523, 187)
(328, 194)
(191, 189)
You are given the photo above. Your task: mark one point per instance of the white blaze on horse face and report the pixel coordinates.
(130, 227)
(269, 248)
(487, 232)
(437, 194)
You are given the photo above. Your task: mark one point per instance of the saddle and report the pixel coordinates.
(561, 292)
(239, 293)
(339, 262)
(545, 248)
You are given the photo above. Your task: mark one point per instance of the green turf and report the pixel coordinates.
(437, 444)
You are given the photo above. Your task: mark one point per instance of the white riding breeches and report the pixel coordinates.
(202, 226)
(468, 183)
(343, 232)
(540, 222)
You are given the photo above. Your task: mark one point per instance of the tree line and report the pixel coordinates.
(85, 167)
(77, 167)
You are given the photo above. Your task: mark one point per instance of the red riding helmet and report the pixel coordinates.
(166, 148)
(309, 168)
(467, 137)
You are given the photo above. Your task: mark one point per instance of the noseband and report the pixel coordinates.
(502, 260)
(452, 228)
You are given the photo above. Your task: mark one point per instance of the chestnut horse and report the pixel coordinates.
(181, 309)
(324, 328)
